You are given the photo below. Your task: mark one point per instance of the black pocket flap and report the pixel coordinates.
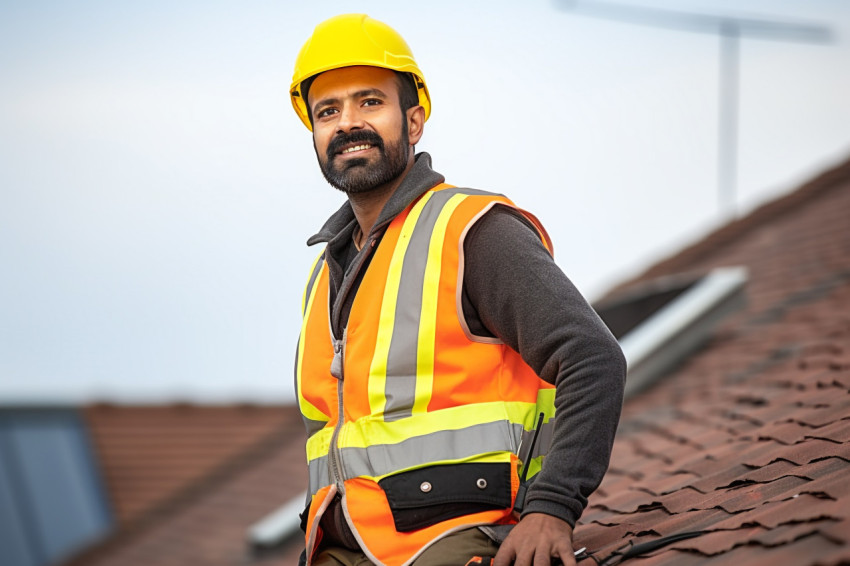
(426, 496)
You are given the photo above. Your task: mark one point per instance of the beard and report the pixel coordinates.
(358, 175)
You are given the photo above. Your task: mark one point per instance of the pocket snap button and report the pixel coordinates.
(425, 487)
(481, 483)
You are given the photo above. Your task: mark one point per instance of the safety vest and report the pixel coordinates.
(414, 421)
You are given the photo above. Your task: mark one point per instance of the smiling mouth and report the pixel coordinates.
(360, 147)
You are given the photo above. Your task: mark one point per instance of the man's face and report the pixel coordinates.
(359, 131)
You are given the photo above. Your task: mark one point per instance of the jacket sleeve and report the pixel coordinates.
(512, 289)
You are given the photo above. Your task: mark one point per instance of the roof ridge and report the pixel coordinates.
(229, 468)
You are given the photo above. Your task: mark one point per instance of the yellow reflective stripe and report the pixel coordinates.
(428, 318)
(534, 466)
(546, 403)
(372, 430)
(319, 444)
(378, 368)
(307, 409)
(369, 432)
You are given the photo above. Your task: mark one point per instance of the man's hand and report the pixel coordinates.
(535, 541)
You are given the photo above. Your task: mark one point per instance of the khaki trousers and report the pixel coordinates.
(454, 550)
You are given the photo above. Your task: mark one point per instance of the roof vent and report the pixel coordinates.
(660, 323)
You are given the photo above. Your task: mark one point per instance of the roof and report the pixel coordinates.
(148, 454)
(749, 440)
(187, 481)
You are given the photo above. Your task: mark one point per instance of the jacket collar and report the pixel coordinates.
(419, 179)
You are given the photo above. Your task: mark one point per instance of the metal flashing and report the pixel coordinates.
(663, 340)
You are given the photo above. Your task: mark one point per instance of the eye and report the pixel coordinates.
(372, 102)
(325, 112)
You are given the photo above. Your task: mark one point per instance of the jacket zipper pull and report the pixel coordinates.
(336, 364)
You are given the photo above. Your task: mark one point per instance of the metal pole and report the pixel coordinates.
(727, 138)
(730, 30)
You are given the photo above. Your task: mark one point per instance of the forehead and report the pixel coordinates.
(345, 81)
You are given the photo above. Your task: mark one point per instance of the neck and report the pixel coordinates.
(367, 206)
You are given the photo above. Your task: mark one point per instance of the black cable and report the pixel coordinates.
(617, 556)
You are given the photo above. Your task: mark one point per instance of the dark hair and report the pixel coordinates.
(408, 94)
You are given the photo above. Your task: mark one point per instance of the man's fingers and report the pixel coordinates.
(531, 556)
(535, 541)
(566, 554)
(543, 557)
(506, 554)
(567, 558)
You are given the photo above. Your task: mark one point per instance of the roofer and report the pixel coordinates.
(438, 336)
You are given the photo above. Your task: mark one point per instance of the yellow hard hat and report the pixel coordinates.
(349, 40)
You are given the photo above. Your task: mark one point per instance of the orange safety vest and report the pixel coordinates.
(413, 420)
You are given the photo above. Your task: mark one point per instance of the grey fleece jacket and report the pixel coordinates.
(513, 290)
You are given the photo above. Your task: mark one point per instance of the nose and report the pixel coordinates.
(350, 118)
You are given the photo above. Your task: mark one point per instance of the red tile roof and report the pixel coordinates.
(748, 441)
(213, 472)
(148, 454)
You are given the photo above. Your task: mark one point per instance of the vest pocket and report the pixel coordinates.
(425, 496)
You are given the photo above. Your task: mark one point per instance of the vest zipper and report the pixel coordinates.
(336, 471)
(334, 463)
(334, 460)
(335, 468)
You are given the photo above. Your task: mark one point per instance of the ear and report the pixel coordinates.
(415, 117)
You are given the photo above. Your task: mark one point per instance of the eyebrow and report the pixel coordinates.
(365, 93)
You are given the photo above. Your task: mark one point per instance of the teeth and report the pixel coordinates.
(356, 148)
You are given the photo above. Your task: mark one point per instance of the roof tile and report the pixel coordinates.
(839, 431)
(788, 432)
(716, 542)
(801, 453)
(663, 484)
(795, 509)
(689, 521)
(804, 551)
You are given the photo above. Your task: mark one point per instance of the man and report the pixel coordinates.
(442, 351)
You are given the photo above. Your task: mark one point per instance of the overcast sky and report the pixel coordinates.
(156, 188)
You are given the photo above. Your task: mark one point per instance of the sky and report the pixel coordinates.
(157, 190)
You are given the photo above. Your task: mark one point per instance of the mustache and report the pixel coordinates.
(357, 136)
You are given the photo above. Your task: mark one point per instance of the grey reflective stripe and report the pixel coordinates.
(312, 426)
(400, 391)
(312, 281)
(382, 459)
(401, 359)
(319, 476)
(547, 431)
(472, 192)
